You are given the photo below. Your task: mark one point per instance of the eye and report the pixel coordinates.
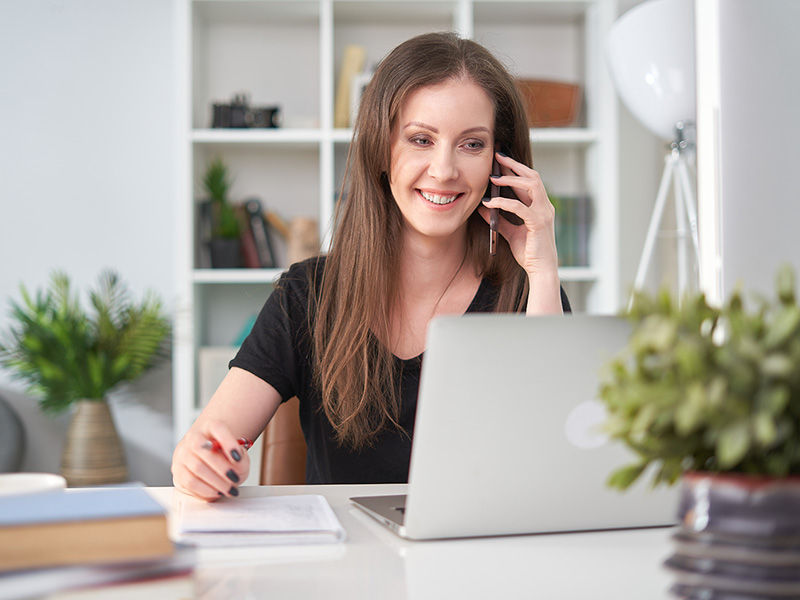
(475, 145)
(420, 140)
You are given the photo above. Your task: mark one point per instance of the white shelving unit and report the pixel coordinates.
(288, 53)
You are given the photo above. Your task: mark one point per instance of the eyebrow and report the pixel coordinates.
(434, 130)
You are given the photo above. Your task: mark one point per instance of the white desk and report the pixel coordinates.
(375, 564)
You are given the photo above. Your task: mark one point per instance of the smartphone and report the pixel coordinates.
(495, 213)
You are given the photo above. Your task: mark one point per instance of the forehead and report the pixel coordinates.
(453, 102)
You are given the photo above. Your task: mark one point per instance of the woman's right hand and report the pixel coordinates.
(204, 471)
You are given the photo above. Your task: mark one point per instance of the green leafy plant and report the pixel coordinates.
(217, 184)
(702, 388)
(66, 354)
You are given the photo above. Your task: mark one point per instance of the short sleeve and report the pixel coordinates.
(277, 346)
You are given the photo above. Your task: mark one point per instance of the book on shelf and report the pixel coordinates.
(260, 231)
(353, 58)
(572, 227)
(203, 232)
(95, 525)
(250, 257)
(257, 521)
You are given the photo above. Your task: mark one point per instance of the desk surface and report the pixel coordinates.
(374, 563)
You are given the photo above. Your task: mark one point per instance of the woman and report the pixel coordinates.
(346, 333)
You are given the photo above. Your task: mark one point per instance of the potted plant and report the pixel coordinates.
(224, 244)
(710, 396)
(72, 357)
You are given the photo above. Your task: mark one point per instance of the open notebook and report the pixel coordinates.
(258, 520)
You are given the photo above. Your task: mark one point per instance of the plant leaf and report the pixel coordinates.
(732, 444)
(624, 477)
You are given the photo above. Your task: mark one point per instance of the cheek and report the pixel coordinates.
(406, 167)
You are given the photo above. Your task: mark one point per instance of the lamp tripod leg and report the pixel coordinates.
(691, 210)
(652, 229)
(681, 231)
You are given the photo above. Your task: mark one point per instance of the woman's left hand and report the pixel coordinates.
(533, 242)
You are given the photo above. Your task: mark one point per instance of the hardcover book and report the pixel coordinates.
(97, 525)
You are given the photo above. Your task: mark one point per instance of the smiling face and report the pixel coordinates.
(441, 156)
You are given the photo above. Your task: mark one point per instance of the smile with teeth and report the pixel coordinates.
(438, 198)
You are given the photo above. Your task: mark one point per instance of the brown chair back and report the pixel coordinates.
(283, 458)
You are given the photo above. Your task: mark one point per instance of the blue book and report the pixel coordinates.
(98, 525)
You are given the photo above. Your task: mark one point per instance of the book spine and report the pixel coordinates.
(352, 63)
(203, 233)
(249, 249)
(569, 230)
(583, 231)
(258, 226)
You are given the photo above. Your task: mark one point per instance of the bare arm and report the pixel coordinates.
(241, 407)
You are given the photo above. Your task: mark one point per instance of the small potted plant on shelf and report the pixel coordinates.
(224, 245)
(73, 358)
(710, 396)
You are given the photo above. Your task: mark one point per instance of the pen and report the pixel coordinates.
(215, 445)
(493, 212)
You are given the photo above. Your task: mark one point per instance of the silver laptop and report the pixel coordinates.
(507, 436)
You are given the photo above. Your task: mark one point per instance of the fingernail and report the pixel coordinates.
(232, 476)
(486, 200)
(503, 154)
(220, 494)
(236, 456)
(494, 176)
(233, 491)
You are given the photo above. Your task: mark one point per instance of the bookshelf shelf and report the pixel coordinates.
(300, 137)
(216, 276)
(288, 53)
(578, 274)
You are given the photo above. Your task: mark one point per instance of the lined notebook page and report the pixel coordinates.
(263, 520)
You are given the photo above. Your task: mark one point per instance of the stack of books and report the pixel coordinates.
(572, 227)
(74, 538)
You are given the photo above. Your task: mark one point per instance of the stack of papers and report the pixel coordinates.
(263, 520)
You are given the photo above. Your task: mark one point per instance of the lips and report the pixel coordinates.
(440, 199)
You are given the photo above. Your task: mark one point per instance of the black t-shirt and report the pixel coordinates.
(279, 351)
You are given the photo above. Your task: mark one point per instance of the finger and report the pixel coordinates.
(506, 228)
(523, 187)
(235, 458)
(511, 205)
(514, 166)
(186, 481)
(199, 468)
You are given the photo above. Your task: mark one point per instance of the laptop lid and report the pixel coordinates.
(506, 438)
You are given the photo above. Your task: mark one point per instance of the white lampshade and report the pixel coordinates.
(650, 51)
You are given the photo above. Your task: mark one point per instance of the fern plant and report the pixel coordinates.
(65, 354)
(703, 388)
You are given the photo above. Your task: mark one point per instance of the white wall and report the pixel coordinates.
(87, 164)
(759, 140)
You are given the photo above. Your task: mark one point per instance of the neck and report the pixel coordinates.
(427, 266)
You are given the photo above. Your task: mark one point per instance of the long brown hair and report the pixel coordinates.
(356, 373)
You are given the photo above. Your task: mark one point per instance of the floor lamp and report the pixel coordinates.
(650, 52)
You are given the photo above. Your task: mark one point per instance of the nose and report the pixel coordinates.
(443, 166)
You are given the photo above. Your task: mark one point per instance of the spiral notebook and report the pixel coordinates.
(257, 521)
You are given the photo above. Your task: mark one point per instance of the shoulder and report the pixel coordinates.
(302, 275)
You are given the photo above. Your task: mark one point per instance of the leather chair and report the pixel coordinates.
(283, 453)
